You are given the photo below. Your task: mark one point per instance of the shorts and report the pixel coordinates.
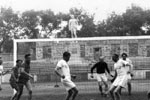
(121, 81)
(68, 84)
(102, 77)
(23, 81)
(14, 85)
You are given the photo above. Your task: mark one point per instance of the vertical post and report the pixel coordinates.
(15, 52)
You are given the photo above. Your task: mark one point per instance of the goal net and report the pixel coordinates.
(84, 53)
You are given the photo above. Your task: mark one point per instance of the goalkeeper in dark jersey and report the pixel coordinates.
(101, 67)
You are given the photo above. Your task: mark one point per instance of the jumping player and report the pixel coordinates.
(24, 78)
(62, 69)
(101, 68)
(121, 79)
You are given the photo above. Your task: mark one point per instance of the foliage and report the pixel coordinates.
(46, 24)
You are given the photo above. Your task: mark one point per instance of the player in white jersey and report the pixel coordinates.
(121, 78)
(62, 69)
(129, 70)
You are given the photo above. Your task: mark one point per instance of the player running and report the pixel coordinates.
(121, 78)
(24, 78)
(62, 69)
(129, 70)
(15, 73)
(101, 68)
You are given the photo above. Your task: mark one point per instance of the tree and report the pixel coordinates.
(134, 19)
(9, 22)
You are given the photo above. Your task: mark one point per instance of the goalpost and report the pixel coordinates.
(46, 52)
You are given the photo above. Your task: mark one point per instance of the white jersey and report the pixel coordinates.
(119, 66)
(1, 68)
(129, 68)
(65, 70)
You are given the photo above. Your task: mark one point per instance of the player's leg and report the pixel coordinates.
(100, 87)
(129, 87)
(29, 88)
(18, 91)
(20, 85)
(129, 84)
(15, 90)
(70, 92)
(71, 88)
(14, 94)
(100, 83)
(117, 92)
(111, 91)
(75, 93)
(105, 82)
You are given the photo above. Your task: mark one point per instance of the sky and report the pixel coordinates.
(101, 8)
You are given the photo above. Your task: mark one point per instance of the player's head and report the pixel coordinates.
(66, 56)
(124, 56)
(72, 16)
(19, 62)
(101, 58)
(27, 57)
(115, 57)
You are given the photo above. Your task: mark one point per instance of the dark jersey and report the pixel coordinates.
(101, 67)
(15, 73)
(23, 77)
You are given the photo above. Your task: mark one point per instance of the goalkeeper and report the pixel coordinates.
(101, 67)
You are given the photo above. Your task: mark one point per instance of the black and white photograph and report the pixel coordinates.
(74, 50)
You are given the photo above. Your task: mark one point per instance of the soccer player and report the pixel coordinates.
(73, 23)
(62, 69)
(15, 73)
(129, 70)
(101, 67)
(1, 71)
(121, 79)
(24, 78)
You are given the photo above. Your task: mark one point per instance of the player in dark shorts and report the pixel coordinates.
(14, 79)
(24, 79)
